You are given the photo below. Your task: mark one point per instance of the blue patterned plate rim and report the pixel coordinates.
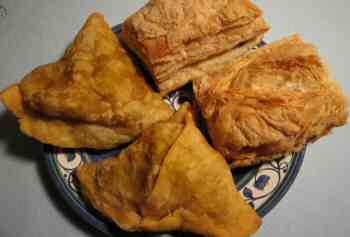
(277, 194)
(87, 216)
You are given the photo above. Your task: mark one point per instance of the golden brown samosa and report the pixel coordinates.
(61, 133)
(273, 101)
(94, 82)
(170, 178)
(94, 92)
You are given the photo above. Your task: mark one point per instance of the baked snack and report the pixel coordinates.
(172, 37)
(94, 88)
(170, 178)
(271, 102)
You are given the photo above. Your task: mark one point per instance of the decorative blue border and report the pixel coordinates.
(284, 185)
(69, 199)
(117, 28)
(80, 210)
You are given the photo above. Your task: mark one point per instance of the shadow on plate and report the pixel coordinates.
(17, 144)
(26, 149)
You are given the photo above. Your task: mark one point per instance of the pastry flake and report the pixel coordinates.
(271, 102)
(173, 36)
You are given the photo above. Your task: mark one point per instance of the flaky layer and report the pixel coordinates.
(171, 35)
(205, 68)
(271, 102)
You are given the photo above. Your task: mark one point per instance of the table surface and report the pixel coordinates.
(35, 32)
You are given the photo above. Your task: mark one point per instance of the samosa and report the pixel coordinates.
(94, 88)
(170, 178)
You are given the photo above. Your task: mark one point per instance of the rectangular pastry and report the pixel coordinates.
(271, 102)
(173, 37)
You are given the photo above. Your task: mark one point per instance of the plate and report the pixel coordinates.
(261, 186)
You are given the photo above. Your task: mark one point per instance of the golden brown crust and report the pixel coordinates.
(272, 101)
(170, 178)
(65, 134)
(94, 82)
(171, 35)
(205, 68)
(91, 98)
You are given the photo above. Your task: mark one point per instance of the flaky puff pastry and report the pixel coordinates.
(170, 178)
(173, 36)
(94, 94)
(271, 102)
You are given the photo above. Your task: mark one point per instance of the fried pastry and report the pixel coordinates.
(95, 82)
(67, 134)
(271, 102)
(94, 88)
(170, 178)
(172, 37)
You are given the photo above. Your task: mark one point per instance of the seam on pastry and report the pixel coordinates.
(167, 73)
(165, 83)
(161, 163)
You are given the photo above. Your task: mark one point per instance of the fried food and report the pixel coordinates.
(273, 101)
(170, 178)
(61, 133)
(93, 95)
(94, 82)
(173, 36)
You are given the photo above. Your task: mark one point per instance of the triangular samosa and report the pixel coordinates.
(170, 178)
(96, 86)
(62, 133)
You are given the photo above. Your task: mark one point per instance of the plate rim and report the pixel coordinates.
(86, 216)
(70, 201)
